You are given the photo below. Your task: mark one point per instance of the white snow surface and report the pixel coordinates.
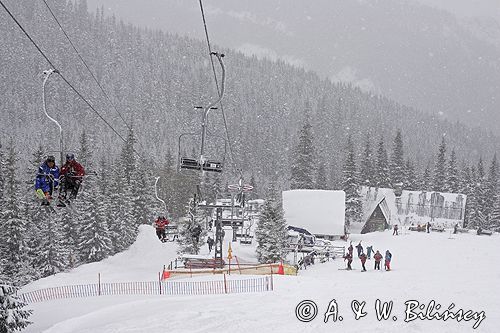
(460, 269)
(319, 212)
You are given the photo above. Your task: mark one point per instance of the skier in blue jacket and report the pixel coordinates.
(47, 180)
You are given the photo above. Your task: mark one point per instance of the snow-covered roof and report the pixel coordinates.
(415, 204)
(320, 212)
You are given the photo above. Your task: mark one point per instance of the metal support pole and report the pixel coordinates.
(47, 74)
(207, 109)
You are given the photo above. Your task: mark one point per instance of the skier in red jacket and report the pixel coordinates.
(363, 257)
(160, 225)
(71, 178)
(378, 257)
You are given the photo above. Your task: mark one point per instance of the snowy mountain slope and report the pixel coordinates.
(415, 54)
(425, 267)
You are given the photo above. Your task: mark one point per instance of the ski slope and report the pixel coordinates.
(460, 269)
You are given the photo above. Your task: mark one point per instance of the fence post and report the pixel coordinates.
(225, 284)
(99, 284)
(159, 280)
(272, 284)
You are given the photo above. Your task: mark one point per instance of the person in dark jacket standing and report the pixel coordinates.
(378, 257)
(359, 247)
(388, 257)
(428, 227)
(72, 174)
(362, 257)
(210, 242)
(47, 180)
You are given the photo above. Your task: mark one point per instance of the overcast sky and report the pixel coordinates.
(462, 8)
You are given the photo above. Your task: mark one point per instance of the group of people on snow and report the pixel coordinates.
(68, 179)
(367, 256)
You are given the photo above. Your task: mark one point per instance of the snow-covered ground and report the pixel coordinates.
(462, 269)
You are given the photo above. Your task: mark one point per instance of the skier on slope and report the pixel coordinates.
(47, 180)
(369, 250)
(348, 257)
(350, 249)
(72, 174)
(378, 257)
(388, 258)
(363, 257)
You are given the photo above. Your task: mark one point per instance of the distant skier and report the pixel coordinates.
(395, 232)
(455, 228)
(369, 250)
(210, 242)
(348, 257)
(388, 258)
(378, 257)
(359, 247)
(428, 227)
(363, 257)
(47, 180)
(350, 249)
(72, 174)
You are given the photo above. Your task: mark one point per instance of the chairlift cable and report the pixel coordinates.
(63, 77)
(85, 64)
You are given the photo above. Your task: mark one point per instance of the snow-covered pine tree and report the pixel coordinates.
(2, 173)
(94, 243)
(253, 183)
(321, 179)
(51, 255)
(143, 202)
(367, 170)
(191, 230)
(494, 221)
(491, 189)
(13, 248)
(470, 181)
(12, 315)
(303, 160)
(452, 184)
(425, 183)
(128, 158)
(440, 169)
(411, 179)
(350, 185)
(119, 217)
(271, 233)
(382, 177)
(397, 163)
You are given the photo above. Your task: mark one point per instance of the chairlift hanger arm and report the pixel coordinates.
(207, 109)
(47, 74)
(158, 198)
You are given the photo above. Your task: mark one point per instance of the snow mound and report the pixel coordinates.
(141, 262)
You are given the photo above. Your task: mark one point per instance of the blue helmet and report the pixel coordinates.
(70, 157)
(50, 158)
